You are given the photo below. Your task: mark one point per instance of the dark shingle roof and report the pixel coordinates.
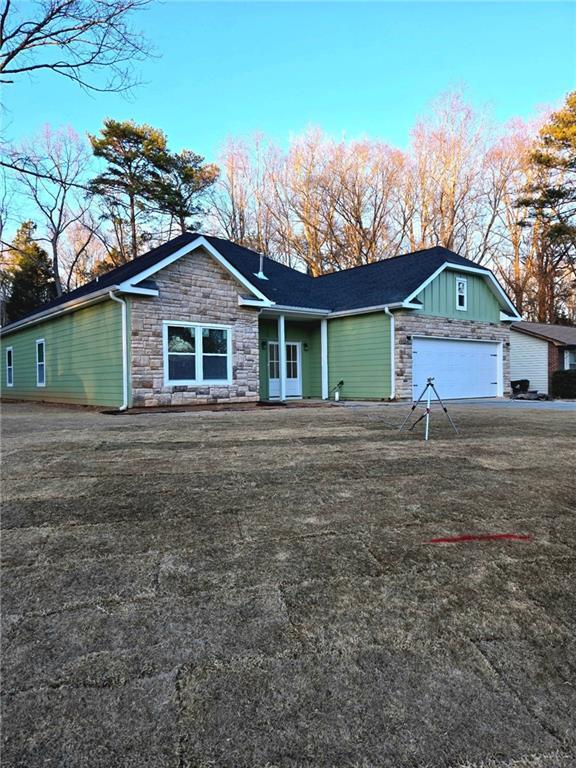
(564, 335)
(284, 285)
(383, 282)
(120, 274)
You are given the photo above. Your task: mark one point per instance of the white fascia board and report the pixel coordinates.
(67, 306)
(377, 308)
(284, 308)
(486, 273)
(200, 242)
(242, 302)
(127, 288)
(280, 308)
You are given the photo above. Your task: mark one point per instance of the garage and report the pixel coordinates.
(460, 367)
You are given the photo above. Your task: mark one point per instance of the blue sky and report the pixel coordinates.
(351, 68)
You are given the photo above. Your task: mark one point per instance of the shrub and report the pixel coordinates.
(564, 384)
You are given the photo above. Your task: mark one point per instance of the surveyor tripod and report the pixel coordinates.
(427, 391)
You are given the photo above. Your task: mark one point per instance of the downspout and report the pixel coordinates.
(123, 304)
(392, 354)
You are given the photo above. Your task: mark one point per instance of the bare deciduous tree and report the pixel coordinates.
(57, 163)
(324, 204)
(90, 42)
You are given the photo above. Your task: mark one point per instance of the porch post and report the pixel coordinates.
(282, 355)
(324, 356)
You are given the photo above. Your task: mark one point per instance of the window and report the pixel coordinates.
(570, 360)
(214, 354)
(197, 354)
(40, 363)
(461, 293)
(273, 360)
(291, 361)
(181, 353)
(9, 367)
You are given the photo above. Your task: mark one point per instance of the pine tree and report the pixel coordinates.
(32, 282)
(553, 198)
(136, 156)
(180, 189)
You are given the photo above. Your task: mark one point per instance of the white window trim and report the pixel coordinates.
(198, 381)
(465, 281)
(43, 363)
(567, 359)
(10, 367)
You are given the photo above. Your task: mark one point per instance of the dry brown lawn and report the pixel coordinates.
(256, 588)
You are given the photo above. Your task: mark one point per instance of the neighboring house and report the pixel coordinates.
(539, 349)
(201, 319)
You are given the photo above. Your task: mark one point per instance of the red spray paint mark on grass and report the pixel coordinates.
(481, 537)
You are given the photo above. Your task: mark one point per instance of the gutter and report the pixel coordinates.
(376, 308)
(392, 354)
(60, 309)
(281, 308)
(287, 309)
(123, 304)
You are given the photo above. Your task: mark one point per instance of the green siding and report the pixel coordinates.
(306, 333)
(83, 355)
(439, 298)
(359, 354)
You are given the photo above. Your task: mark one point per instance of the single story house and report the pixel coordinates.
(539, 349)
(200, 319)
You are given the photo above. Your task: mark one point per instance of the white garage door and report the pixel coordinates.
(459, 368)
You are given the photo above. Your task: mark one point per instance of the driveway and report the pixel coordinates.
(512, 405)
(262, 588)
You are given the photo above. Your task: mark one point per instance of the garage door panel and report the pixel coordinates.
(460, 368)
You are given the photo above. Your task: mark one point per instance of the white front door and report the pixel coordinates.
(293, 370)
(461, 368)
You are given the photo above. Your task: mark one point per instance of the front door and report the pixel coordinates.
(293, 370)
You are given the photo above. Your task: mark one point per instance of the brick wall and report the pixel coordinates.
(195, 289)
(409, 324)
(555, 362)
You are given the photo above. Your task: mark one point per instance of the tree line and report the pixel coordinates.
(505, 198)
(502, 196)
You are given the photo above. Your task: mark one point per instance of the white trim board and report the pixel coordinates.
(9, 367)
(40, 343)
(492, 281)
(198, 355)
(200, 242)
(454, 338)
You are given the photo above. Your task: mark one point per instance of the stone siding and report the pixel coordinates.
(193, 289)
(408, 324)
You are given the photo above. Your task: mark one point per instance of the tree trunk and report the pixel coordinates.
(56, 268)
(134, 234)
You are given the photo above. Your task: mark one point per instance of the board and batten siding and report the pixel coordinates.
(83, 358)
(359, 355)
(529, 360)
(439, 298)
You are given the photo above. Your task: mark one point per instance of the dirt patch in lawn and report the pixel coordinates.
(257, 588)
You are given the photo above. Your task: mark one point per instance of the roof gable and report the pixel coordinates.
(397, 280)
(187, 248)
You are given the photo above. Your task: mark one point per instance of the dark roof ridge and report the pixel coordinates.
(398, 256)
